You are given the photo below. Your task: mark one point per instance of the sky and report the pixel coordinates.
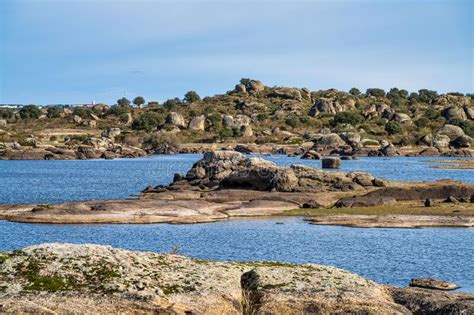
(77, 51)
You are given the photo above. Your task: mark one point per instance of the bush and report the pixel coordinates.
(226, 133)
(118, 110)
(148, 121)
(292, 121)
(54, 112)
(393, 127)
(305, 119)
(216, 120)
(6, 113)
(171, 104)
(466, 125)
(375, 92)
(30, 112)
(422, 122)
(347, 118)
(432, 113)
(81, 112)
(191, 97)
(262, 116)
(427, 96)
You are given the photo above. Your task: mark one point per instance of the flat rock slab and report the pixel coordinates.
(393, 221)
(435, 284)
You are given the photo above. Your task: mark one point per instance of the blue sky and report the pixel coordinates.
(79, 51)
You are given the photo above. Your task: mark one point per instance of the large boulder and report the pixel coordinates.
(331, 140)
(323, 105)
(451, 131)
(240, 88)
(402, 118)
(454, 112)
(469, 112)
(463, 141)
(3, 123)
(175, 119)
(197, 123)
(351, 138)
(441, 141)
(246, 131)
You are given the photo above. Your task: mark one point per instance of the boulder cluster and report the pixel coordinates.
(230, 169)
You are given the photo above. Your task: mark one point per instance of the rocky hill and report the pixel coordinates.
(371, 123)
(93, 279)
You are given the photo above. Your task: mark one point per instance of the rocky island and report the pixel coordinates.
(66, 278)
(226, 184)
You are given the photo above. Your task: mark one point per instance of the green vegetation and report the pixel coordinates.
(393, 127)
(30, 112)
(148, 121)
(139, 101)
(191, 97)
(347, 118)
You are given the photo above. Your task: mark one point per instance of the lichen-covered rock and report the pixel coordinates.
(454, 112)
(58, 278)
(325, 141)
(197, 123)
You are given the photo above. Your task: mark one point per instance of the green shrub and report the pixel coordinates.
(216, 120)
(147, 121)
(117, 110)
(30, 112)
(54, 112)
(466, 125)
(432, 113)
(262, 116)
(393, 127)
(123, 101)
(305, 119)
(422, 122)
(347, 118)
(81, 112)
(292, 121)
(226, 133)
(171, 104)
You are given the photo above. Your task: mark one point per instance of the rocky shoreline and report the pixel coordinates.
(226, 184)
(73, 279)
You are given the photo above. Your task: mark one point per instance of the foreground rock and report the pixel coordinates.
(77, 279)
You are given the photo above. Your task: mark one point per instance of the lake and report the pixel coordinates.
(61, 181)
(389, 256)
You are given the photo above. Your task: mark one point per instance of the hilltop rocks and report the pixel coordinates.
(175, 119)
(197, 123)
(287, 93)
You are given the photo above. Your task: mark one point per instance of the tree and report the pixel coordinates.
(123, 102)
(191, 97)
(427, 96)
(375, 92)
(392, 127)
(354, 91)
(139, 101)
(30, 112)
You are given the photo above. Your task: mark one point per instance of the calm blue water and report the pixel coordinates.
(389, 256)
(60, 181)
